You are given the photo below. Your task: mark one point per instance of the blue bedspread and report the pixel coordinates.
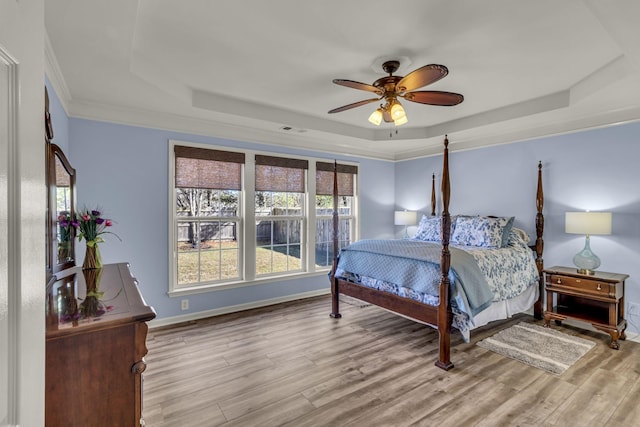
(415, 264)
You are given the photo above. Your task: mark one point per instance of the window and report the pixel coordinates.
(280, 213)
(207, 203)
(324, 209)
(244, 217)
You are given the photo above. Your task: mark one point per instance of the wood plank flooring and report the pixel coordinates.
(292, 365)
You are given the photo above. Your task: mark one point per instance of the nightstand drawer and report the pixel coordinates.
(585, 286)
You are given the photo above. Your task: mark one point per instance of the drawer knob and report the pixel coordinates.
(138, 367)
(559, 281)
(599, 287)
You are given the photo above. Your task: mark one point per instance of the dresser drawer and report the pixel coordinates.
(584, 286)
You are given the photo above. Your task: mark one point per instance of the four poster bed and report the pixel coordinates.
(488, 273)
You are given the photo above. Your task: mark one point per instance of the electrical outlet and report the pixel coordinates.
(633, 309)
(184, 304)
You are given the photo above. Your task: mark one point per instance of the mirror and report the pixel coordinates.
(61, 190)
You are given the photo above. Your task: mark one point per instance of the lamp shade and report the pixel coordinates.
(587, 223)
(405, 218)
(397, 111)
(376, 117)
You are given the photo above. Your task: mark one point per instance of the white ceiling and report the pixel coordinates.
(245, 69)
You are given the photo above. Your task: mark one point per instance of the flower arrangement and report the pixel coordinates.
(91, 226)
(65, 235)
(65, 226)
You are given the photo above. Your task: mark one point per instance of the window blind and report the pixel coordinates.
(208, 168)
(324, 179)
(280, 174)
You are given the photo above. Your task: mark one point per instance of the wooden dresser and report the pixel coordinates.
(96, 332)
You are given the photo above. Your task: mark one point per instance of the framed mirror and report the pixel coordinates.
(61, 190)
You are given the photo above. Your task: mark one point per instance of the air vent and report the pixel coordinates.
(292, 129)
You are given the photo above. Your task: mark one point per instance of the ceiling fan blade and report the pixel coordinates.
(358, 85)
(434, 97)
(354, 105)
(421, 77)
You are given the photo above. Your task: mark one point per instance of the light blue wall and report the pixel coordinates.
(124, 169)
(590, 170)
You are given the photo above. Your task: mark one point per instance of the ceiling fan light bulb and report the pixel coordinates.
(402, 120)
(376, 117)
(397, 111)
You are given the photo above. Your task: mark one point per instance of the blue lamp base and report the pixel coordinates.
(586, 260)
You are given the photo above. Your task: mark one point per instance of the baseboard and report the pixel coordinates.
(635, 338)
(167, 321)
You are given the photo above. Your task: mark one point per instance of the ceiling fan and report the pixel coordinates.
(390, 88)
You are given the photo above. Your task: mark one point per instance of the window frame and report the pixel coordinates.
(352, 218)
(200, 220)
(247, 223)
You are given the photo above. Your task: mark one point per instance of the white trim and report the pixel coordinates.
(54, 73)
(167, 321)
(13, 249)
(172, 122)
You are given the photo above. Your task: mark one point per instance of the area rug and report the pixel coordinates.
(541, 347)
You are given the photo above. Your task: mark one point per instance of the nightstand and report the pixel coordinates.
(597, 299)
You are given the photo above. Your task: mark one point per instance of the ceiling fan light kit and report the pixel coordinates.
(390, 87)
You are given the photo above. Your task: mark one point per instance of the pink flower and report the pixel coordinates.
(108, 223)
(86, 217)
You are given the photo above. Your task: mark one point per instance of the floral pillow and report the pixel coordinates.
(518, 237)
(480, 231)
(429, 229)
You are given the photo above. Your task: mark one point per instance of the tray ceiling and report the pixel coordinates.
(262, 71)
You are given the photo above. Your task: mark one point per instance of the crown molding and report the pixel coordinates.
(310, 140)
(513, 132)
(465, 133)
(54, 73)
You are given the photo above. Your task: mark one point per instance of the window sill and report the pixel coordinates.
(179, 292)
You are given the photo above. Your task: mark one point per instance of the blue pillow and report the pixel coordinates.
(506, 231)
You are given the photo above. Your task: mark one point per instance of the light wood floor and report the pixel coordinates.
(292, 365)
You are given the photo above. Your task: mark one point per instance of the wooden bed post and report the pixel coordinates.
(444, 309)
(433, 194)
(335, 294)
(537, 308)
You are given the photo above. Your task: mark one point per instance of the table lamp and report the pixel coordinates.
(587, 223)
(405, 218)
